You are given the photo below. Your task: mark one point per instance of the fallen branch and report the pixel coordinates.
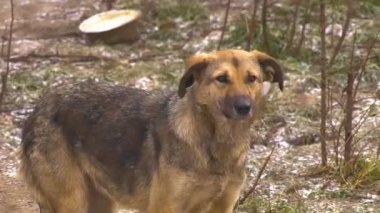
(76, 58)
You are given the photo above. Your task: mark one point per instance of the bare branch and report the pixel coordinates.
(346, 25)
(289, 43)
(365, 63)
(224, 24)
(306, 20)
(258, 177)
(322, 17)
(252, 25)
(349, 107)
(264, 24)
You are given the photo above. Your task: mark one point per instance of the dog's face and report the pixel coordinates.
(230, 82)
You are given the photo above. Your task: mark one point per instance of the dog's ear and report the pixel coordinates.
(272, 69)
(195, 66)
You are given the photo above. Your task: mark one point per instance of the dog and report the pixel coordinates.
(94, 147)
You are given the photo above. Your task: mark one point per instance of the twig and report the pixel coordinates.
(333, 128)
(258, 177)
(363, 118)
(224, 23)
(4, 75)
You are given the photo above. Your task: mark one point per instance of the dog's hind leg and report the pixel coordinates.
(51, 171)
(56, 196)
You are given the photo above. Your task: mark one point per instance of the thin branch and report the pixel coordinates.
(303, 29)
(346, 25)
(264, 24)
(252, 25)
(258, 177)
(364, 64)
(322, 17)
(224, 24)
(349, 106)
(3, 39)
(363, 118)
(4, 75)
(289, 43)
(333, 128)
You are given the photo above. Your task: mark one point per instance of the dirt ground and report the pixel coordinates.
(14, 196)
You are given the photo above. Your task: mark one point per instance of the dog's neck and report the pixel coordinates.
(225, 141)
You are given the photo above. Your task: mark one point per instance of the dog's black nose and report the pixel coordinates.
(243, 109)
(243, 106)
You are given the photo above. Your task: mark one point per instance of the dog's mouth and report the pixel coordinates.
(232, 114)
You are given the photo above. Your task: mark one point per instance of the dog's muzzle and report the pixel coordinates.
(238, 107)
(242, 107)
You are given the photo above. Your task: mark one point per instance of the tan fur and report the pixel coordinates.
(93, 147)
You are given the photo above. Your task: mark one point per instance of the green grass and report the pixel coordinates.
(361, 174)
(254, 205)
(187, 10)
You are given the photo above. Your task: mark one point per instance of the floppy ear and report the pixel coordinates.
(275, 74)
(194, 66)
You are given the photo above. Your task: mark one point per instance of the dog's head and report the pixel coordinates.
(230, 82)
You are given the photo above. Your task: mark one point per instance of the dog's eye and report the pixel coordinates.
(251, 78)
(222, 79)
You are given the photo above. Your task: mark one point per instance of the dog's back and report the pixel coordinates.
(85, 145)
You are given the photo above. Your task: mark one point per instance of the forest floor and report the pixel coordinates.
(14, 197)
(292, 180)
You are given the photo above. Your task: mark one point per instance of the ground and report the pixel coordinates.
(14, 197)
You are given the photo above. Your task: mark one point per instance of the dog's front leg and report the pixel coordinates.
(165, 187)
(226, 202)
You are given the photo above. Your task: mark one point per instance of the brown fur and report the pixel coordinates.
(94, 148)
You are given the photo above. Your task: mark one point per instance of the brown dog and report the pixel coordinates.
(95, 147)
